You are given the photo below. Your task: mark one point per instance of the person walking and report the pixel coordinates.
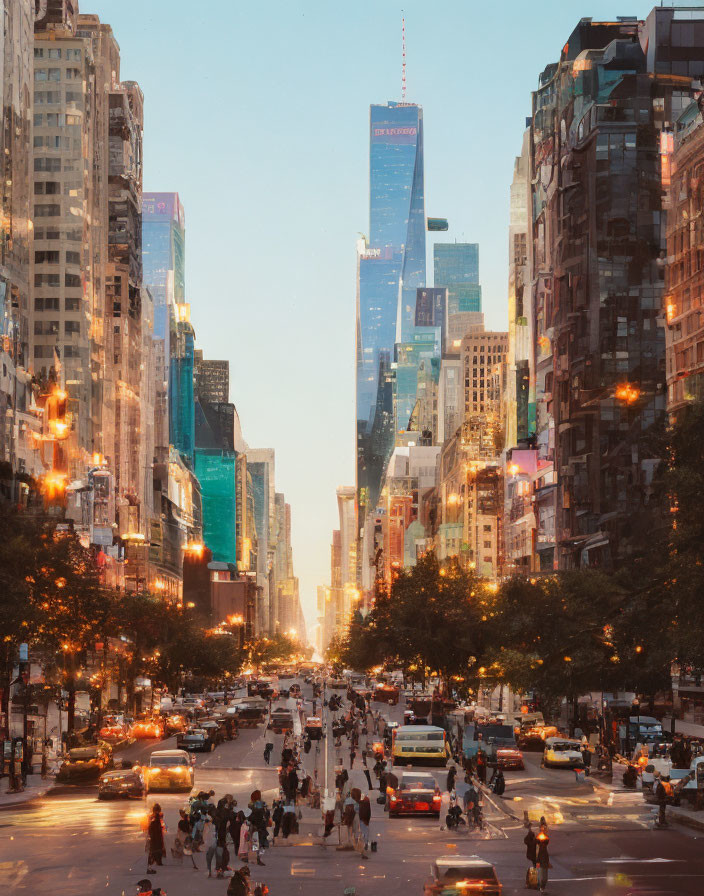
(277, 817)
(352, 756)
(543, 860)
(235, 828)
(365, 817)
(368, 777)
(450, 780)
(531, 842)
(213, 850)
(155, 838)
(183, 834)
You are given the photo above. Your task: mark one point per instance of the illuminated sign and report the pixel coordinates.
(395, 134)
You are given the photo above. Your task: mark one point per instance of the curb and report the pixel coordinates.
(23, 797)
(696, 824)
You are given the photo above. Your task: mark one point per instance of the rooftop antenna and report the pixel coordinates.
(403, 58)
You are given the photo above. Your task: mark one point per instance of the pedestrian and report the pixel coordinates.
(213, 850)
(365, 817)
(450, 780)
(239, 882)
(499, 783)
(245, 838)
(277, 817)
(155, 838)
(368, 777)
(292, 784)
(349, 814)
(543, 858)
(481, 765)
(183, 834)
(289, 822)
(445, 801)
(267, 752)
(352, 756)
(531, 842)
(235, 828)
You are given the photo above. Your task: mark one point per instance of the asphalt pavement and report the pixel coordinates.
(68, 843)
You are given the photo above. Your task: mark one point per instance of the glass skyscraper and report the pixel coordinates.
(457, 268)
(163, 255)
(391, 266)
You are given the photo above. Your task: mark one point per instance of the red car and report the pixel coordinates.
(417, 794)
(509, 757)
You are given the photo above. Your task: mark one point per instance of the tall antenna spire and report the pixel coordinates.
(403, 58)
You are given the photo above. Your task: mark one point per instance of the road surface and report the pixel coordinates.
(70, 844)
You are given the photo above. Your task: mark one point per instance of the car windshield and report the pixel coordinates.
(414, 781)
(564, 747)
(167, 761)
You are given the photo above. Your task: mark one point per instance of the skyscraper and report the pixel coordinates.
(456, 266)
(164, 273)
(391, 266)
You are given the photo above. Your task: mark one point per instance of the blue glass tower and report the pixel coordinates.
(391, 266)
(457, 268)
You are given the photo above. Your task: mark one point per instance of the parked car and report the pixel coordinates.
(462, 875)
(85, 764)
(124, 782)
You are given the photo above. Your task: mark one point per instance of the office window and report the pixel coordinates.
(72, 327)
(47, 280)
(54, 54)
(47, 211)
(73, 258)
(48, 304)
(45, 164)
(54, 74)
(72, 280)
(71, 303)
(45, 256)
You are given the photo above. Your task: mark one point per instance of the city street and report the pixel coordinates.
(69, 843)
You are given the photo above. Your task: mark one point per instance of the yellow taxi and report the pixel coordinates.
(170, 770)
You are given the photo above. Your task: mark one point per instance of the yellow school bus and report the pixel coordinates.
(419, 745)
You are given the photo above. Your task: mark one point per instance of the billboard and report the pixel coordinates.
(163, 207)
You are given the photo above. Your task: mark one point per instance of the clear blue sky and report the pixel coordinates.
(257, 114)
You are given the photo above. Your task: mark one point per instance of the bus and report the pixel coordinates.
(419, 745)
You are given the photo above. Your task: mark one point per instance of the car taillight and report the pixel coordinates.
(437, 799)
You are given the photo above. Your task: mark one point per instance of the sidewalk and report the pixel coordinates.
(36, 788)
(687, 817)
